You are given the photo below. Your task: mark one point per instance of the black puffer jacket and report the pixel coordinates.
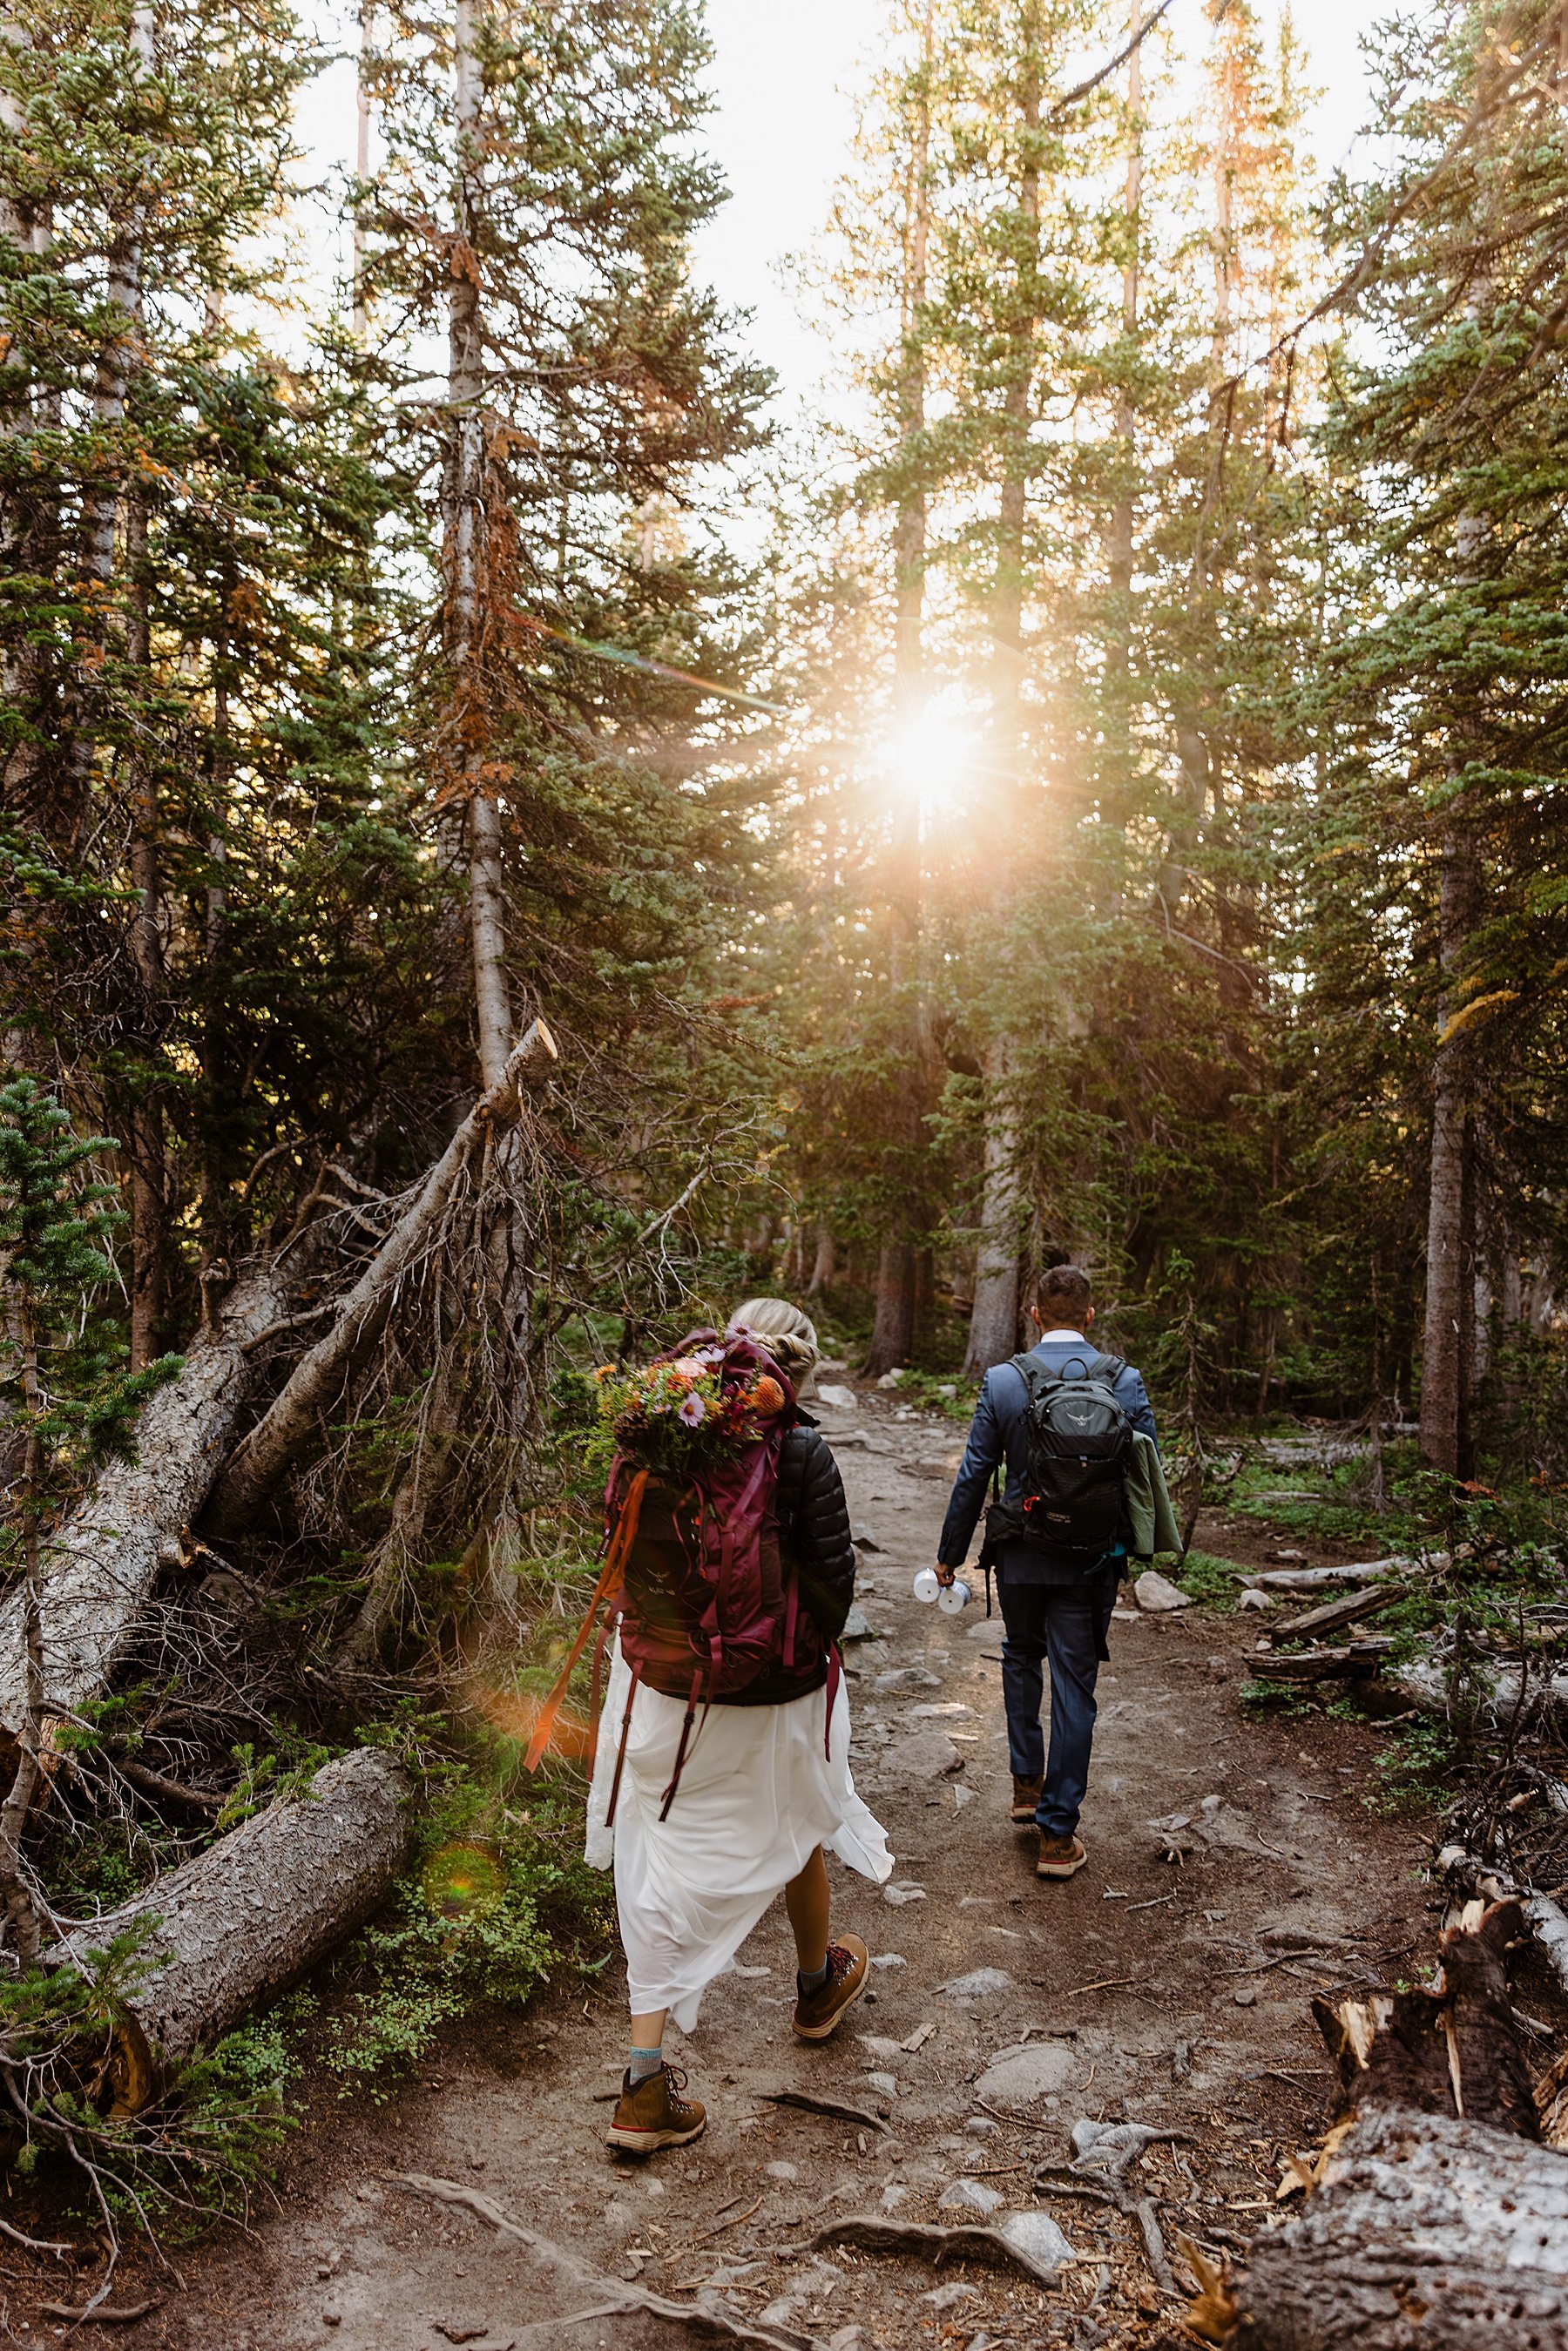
(814, 1534)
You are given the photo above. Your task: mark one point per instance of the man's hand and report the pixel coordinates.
(944, 1574)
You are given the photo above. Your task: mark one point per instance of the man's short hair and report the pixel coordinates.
(1064, 1295)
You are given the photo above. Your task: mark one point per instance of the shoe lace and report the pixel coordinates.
(840, 1962)
(674, 2077)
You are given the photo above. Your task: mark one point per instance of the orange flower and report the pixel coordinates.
(767, 1397)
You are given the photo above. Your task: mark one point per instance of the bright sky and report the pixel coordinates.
(785, 80)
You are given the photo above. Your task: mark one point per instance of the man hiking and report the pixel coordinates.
(1074, 1431)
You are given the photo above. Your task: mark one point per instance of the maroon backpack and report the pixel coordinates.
(707, 1603)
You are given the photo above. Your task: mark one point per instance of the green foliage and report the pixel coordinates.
(1215, 1582)
(494, 1905)
(187, 2159)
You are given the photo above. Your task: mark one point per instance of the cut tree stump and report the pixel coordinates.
(241, 1922)
(292, 1423)
(1438, 2222)
(101, 1563)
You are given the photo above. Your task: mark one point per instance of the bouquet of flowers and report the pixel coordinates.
(706, 1402)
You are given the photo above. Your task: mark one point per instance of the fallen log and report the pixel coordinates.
(101, 1563)
(1360, 1658)
(1336, 1613)
(1546, 1921)
(287, 1427)
(242, 1921)
(1318, 1579)
(1437, 2219)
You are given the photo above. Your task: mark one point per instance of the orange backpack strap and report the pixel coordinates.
(621, 1543)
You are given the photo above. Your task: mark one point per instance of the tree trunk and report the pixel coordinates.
(291, 1421)
(893, 1334)
(1447, 1351)
(467, 557)
(101, 1563)
(101, 505)
(1120, 545)
(149, 1183)
(1426, 2232)
(994, 1325)
(1437, 2219)
(241, 1922)
(823, 1265)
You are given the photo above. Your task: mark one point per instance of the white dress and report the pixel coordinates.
(758, 1796)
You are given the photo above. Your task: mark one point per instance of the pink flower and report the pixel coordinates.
(693, 1411)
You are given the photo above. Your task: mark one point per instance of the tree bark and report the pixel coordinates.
(290, 1422)
(243, 1920)
(149, 1183)
(1448, 1348)
(101, 1563)
(1425, 2232)
(994, 1324)
(466, 562)
(893, 1333)
(1437, 2220)
(823, 1265)
(101, 502)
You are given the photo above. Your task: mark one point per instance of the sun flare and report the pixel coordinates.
(933, 757)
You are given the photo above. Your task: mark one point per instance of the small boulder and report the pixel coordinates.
(969, 2196)
(887, 2083)
(838, 1399)
(902, 1890)
(1036, 2234)
(787, 2171)
(858, 1625)
(907, 1677)
(1019, 2076)
(981, 1984)
(1157, 1595)
(926, 1755)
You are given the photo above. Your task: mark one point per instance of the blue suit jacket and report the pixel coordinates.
(997, 1435)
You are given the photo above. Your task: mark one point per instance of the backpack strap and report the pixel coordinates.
(621, 1751)
(621, 1543)
(1037, 1378)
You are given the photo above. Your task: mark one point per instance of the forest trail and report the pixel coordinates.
(1141, 1991)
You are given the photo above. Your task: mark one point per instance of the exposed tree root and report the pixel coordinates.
(616, 2299)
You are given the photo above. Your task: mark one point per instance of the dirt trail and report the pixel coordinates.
(1139, 1990)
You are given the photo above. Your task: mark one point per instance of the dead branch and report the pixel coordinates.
(287, 1427)
(812, 2104)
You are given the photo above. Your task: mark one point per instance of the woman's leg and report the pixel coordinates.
(647, 2044)
(806, 1900)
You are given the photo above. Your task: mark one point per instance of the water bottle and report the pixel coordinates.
(953, 1597)
(926, 1585)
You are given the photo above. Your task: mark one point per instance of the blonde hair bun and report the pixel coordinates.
(790, 1336)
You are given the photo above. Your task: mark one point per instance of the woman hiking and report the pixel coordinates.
(720, 1790)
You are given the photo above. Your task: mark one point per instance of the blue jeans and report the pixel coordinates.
(1065, 1622)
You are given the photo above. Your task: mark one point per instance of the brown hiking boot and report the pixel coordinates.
(1026, 1796)
(1059, 1856)
(650, 2115)
(817, 2014)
